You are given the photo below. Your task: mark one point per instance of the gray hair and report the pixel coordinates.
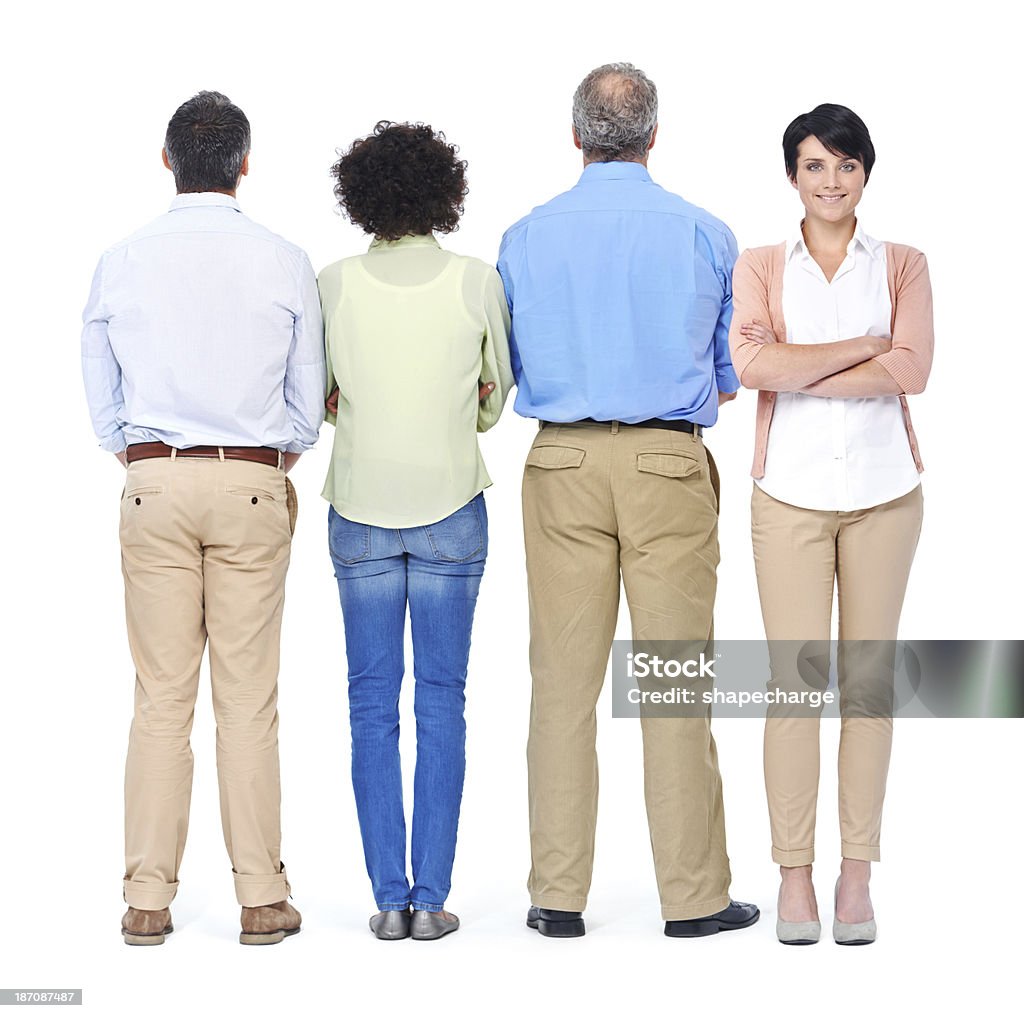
(615, 111)
(207, 140)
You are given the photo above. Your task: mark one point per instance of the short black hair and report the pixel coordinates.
(207, 141)
(838, 128)
(402, 179)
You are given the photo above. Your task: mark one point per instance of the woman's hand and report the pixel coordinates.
(332, 402)
(486, 388)
(757, 331)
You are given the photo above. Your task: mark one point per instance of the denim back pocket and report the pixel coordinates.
(349, 541)
(459, 537)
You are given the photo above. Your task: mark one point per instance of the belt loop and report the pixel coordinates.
(220, 453)
(280, 460)
(174, 453)
(615, 427)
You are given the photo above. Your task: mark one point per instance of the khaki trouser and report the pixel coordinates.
(799, 555)
(204, 550)
(598, 499)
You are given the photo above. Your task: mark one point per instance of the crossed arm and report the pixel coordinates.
(843, 368)
(861, 366)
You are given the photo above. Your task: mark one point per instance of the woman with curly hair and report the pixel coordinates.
(417, 348)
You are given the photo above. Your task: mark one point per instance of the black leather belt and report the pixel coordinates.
(688, 426)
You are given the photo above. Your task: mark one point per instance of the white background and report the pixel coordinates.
(88, 90)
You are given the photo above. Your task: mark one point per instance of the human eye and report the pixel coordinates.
(813, 167)
(848, 167)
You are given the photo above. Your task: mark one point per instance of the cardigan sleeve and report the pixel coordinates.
(749, 302)
(913, 339)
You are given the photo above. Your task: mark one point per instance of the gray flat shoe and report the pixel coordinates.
(853, 934)
(433, 925)
(391, 925)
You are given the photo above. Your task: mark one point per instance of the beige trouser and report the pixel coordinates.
(204, 550)
(598, 499)
(799, 555)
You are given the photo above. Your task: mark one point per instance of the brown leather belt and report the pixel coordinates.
(255, 454)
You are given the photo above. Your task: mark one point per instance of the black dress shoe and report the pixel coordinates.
(552, 923)
(734, 917)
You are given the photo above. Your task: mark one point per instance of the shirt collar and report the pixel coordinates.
(873, 248)
(206, 199)
(409, 240)
(614, 171)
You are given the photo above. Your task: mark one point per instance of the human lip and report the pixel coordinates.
(830, 198)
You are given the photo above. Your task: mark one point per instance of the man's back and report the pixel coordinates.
(210, 326)
(630, 282)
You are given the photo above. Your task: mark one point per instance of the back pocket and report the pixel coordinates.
(667, 464)
(459, 537)
(349, 541)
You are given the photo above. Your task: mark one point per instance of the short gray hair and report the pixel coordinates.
(207, 140)
(615, 111)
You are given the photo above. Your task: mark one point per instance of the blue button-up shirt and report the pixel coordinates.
(621, 297)
(204, 328)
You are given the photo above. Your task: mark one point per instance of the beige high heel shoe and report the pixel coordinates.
(852, 934)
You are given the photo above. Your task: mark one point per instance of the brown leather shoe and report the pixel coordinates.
(143, 927)
(269, 924)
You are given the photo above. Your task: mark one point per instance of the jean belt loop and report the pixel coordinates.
(615, 427)
(220, 453)
(280, 460)
(174, 453)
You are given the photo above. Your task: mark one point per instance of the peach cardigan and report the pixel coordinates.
(757, 293)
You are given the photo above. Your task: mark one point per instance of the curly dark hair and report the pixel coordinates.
(402, 179)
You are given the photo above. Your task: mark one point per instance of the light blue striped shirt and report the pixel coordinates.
(204, 328)
(621, 298)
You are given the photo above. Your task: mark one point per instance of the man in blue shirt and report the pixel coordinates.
(621, 299)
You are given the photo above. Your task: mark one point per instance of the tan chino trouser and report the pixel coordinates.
(205, 545)
(597, 500)
(799, 555)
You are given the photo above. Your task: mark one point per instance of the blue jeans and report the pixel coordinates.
(436, 569)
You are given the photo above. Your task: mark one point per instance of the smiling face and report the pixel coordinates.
(830, 185)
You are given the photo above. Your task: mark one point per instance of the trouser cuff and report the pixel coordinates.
(697, 910)
(254, 889)
(793, 856)
(560, 903)
(866, 853)
(149, 896)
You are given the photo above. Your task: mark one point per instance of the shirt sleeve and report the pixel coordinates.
(327, 284)
(495, 361)
(725, 376)
(305, 373)
(913, 337)
(507, 279)
(101, 371)
(749, 303)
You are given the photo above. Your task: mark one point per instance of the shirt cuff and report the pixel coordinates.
(115, 442)
(726, 380)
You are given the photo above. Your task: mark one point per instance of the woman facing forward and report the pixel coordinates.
(834, 328)
(417, 344)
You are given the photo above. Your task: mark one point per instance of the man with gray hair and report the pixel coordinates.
(621, 299)
(204, 372)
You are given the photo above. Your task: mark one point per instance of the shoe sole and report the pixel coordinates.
(146, 939)
(267, 938)
(854, 943)
(433, 936)
(563, 930)
(797, 943)
(708, 927)
(390, 936)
